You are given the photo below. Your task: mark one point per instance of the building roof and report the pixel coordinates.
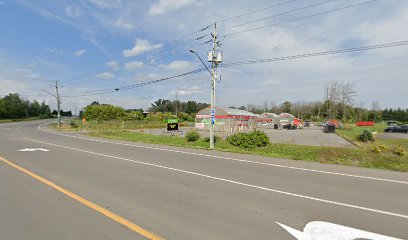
(226, 111)
(269, 115)
(286, 115)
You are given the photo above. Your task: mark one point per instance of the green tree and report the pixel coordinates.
(104, 112)
(286, 107)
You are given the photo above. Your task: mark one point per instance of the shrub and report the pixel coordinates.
(104, 112)
(45, 116)
(249, 140)
(216, 138)
(366, 136)
(382, 146)
(399, 151)
(260, 138)
(240, 140)
(192, 136)
(74, 124)
(376, 149)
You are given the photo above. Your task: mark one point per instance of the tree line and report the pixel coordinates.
(333, 106)
(176, 106)
(13, 106)
(338, 103)
(160, 111)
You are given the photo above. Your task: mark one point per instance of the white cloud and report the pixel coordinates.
(54, 50)
(79, 52)
(114, 65)
(133, 65)
(179, 65)
(73, 12)
(163, 6)
(105, 75)
(106, 4)
(141, 46)
(121, 23)
(187, 91)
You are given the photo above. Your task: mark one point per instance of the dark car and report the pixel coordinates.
(398, 128)
(306, 124)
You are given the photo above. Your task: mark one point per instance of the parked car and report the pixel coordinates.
(397, 128)
(329, 128)
(306, 124)
(391, 123)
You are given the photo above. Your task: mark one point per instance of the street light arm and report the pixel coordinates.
(192, 51)
(49, 93)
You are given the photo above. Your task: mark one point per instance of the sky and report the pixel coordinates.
(95, 46)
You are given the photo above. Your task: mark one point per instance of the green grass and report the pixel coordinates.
(384, 150)
(361, 157)
(352, 132)
(19, 120)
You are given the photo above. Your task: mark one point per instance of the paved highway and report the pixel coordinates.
(70, 186)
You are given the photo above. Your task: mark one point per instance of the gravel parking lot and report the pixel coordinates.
(393, 136)
(312, 136)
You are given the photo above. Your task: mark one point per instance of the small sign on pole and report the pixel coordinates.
(212, 116)
(172, 125)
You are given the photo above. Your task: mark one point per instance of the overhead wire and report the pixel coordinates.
(279, 14)
(255, 11)
(191, 39)
(323, 53)
(284, 58)
(112, 90)
(183, 43)
(299, 18)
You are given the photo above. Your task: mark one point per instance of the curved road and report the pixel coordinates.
(70, 186)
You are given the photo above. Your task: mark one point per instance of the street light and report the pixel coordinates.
(212, 95)
(192, 51)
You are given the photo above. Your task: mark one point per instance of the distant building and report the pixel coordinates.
(286, 119)
(268, 119)
(226, 119)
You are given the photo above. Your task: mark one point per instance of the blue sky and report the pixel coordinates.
(91, 45)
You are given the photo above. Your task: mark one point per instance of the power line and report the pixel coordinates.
(255, 11)
(299, 56)
(280, 14)
(123, 62)
(301, 18)
(203, 29)
(316, 54)
(124, 88)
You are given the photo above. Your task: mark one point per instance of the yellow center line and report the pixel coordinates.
(86, 202)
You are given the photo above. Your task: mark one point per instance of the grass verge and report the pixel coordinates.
(19, 120)
(360, 157)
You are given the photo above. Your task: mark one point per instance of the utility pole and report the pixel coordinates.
(214, 66)
(58, 105)
(57, 97)
(215, 57)
(176, 103)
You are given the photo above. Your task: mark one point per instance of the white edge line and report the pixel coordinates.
(228, 158)
(230, 181)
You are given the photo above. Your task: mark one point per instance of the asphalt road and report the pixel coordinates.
(89, 188)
